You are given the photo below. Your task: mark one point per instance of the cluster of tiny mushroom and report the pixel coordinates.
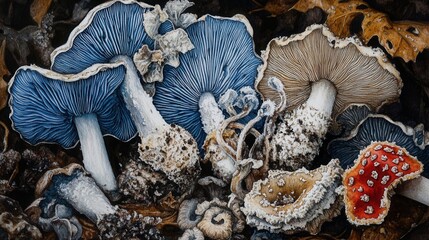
(198, 104)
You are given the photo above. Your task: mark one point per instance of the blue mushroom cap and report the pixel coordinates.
(378, 128)
(223, 58)
(44, 104)
(112, 29)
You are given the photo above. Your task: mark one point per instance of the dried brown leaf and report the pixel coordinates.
(3, 72)
(38, 10)
(404, 39)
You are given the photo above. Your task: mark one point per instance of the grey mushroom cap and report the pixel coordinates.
(359, 74)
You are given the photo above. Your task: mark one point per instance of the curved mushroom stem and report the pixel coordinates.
(211, 115)
(146, 117)
(84, 195)
(416, 189)
(219, 132)
(267, 109)
(94, 152)
(322, 96)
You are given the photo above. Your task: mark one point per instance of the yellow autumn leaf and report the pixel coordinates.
(3, 72)
(38, 10)
(404, 39)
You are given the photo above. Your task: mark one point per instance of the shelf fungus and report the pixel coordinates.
(64, 109)
(189, 94)
(322, 75)
(291, 202)
(72, 185)
(14, 224)
(379, 168)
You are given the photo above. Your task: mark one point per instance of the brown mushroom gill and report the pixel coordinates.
(358, 74)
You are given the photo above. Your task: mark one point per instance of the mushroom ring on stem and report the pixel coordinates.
(64, 109)
(321, 75)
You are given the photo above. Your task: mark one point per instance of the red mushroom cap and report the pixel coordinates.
(370, 182)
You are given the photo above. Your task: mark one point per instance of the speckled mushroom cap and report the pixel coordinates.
(216, 64)
(380, 128)
(44, 103)
(109, 30)
(297, 201)
(370, 182)
(360, 74)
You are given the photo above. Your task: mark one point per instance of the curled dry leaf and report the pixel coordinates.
(3, 72)
(404, 39)
(38, 10)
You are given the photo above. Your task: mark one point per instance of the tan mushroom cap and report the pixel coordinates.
(297, 201)
(360, 74)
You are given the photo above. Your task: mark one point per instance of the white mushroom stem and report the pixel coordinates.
(95, 158)
(146, 117)
(211, 115)
(243, 135)
(322, 96)
(416, 189)
(84, 195)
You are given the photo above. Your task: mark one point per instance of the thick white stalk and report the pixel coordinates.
(416, 189)
(84, 195)
(146, 117)
(211, 116)
(95, 158)
(322, 96)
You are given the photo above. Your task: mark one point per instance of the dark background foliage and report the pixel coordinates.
(30, 41)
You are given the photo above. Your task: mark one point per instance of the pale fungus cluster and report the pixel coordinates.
(225, 141)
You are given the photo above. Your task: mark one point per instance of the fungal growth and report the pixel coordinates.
(168, 162)
(291, 202)
(370, 182)
(321, 75)
(222, 144)
(189, 94)
(380, 128)
(64, 109)
(73, 185)
(115, 32)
